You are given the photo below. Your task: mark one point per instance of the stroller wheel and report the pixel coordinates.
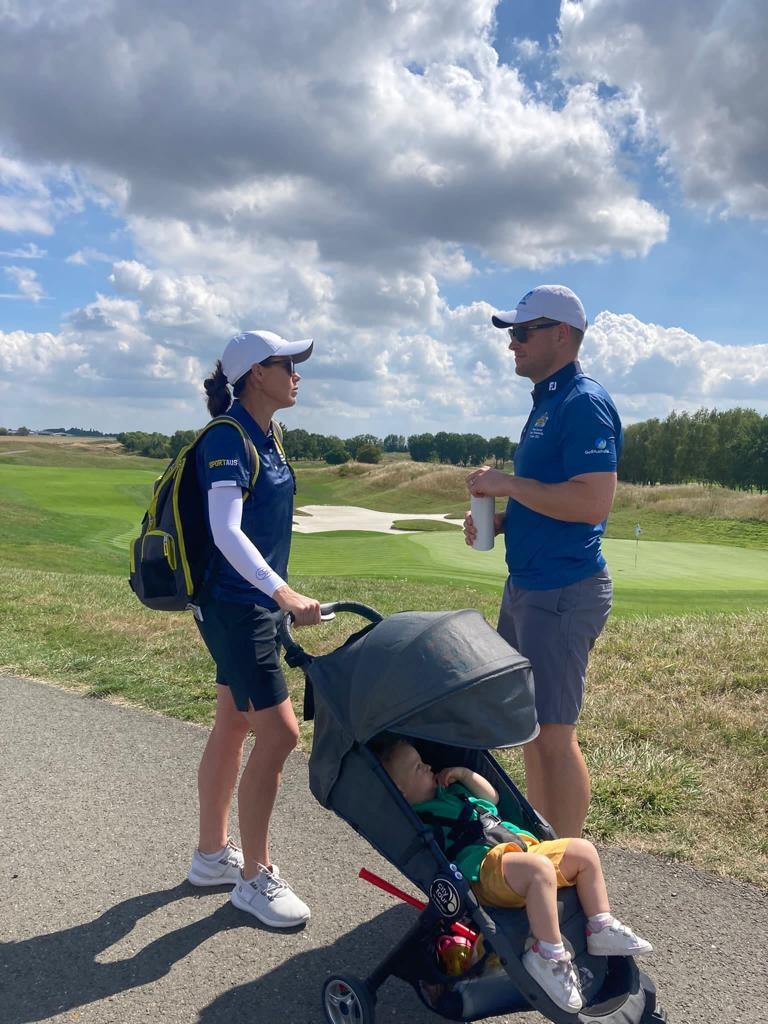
(348, 1000)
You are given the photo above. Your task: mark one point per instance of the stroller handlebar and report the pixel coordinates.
(294, 652)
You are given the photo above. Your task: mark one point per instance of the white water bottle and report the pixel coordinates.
(482, 510)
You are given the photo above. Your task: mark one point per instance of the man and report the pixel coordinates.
(558, 595)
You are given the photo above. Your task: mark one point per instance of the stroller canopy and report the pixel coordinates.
(443, 676)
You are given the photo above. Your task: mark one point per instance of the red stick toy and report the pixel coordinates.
(368, 876)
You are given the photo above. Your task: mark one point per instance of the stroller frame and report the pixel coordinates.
(615, 990)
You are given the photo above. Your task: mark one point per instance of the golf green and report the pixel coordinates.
(668, 578)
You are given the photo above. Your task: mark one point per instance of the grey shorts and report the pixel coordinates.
(556, 630)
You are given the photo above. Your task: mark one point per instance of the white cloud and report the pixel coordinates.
(30, 251)
(693, 71)
(373, 132)
(28, 287)
(82, 257)
(123, 370)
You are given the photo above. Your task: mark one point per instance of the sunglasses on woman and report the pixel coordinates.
(287, 364)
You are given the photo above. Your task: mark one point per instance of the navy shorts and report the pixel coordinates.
(555, 630)
(243, 641)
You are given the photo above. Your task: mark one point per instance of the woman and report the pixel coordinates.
(238, 622)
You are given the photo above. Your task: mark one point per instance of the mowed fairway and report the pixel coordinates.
(81, 519)
(70, 518)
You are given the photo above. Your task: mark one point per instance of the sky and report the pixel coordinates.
(379, 175)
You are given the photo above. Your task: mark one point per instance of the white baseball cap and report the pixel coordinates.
(251, 347)
(553, 301)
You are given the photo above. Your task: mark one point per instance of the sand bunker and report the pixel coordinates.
(323, 518)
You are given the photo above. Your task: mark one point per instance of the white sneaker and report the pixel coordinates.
(270, 899)
(616, 940)
(558, 978)
(220, 869)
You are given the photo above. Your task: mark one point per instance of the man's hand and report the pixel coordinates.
(305, 610)
(489, 482)
(470, 530)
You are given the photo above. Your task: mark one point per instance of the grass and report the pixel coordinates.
(675, 728)
(425, 525)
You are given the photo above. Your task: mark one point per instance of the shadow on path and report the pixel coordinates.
(50, 974)
(292, 993)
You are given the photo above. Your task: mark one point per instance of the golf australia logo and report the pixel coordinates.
(445, 896)
(537, 427)
(601, 447)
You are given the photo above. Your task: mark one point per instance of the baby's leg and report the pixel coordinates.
(581, 866)
(606, 936)
(534, 879)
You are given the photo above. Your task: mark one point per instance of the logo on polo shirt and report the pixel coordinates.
(218, 463)
(601, 447)
(537, 427)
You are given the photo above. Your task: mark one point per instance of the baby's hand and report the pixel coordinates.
(449, 775)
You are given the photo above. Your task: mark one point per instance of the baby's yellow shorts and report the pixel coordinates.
(492, 890)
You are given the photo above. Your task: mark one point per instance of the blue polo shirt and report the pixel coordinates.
(573, 428)
(267, 514)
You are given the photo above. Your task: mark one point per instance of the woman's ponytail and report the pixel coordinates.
(216, 387)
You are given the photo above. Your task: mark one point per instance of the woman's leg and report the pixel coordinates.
(534, 878)
(581, 865)
(276, 733)
(218, 771)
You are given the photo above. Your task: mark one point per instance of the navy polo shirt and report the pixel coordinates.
(573, 428)
(267, 514)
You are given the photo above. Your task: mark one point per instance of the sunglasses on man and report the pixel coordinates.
(520, 331)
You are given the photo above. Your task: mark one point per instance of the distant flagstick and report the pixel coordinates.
(638, 531)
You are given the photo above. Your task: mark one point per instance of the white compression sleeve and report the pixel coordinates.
(225, 510)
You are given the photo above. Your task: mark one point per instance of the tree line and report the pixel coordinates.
(454, 449)
(727, 448)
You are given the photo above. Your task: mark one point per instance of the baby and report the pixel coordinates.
(511, 875)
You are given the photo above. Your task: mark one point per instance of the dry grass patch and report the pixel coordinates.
(693, 500)
(671, 732)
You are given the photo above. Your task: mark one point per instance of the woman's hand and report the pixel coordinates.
(305, 610)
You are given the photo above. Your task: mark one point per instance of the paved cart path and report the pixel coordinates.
(98, 925)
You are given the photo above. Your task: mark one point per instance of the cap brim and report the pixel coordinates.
(505, 319)
(298, 350)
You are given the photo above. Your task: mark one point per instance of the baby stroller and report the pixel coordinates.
(450, 684)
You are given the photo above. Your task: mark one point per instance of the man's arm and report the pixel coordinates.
(586, 498)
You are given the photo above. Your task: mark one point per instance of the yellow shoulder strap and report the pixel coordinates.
(247, 441)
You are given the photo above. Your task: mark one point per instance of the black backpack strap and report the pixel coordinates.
(254, 464)
(277, 434)
(250, 448)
